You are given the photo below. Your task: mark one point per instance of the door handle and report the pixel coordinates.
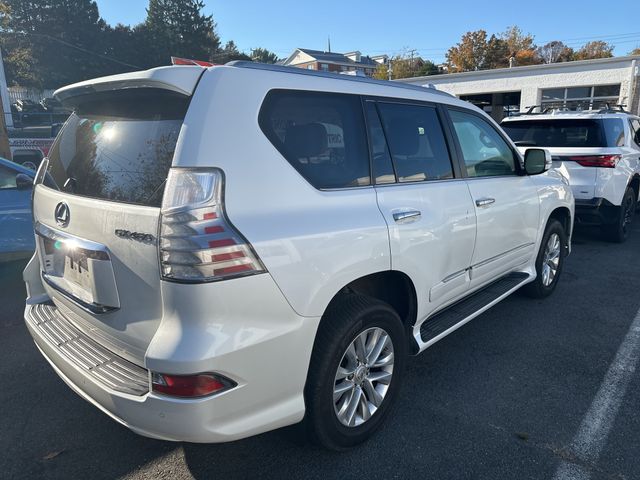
(483, 202)
(407, 216)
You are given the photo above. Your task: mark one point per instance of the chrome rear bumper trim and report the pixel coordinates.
(103, 366)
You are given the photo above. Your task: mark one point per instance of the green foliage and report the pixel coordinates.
(405, 65)
(50, 43)
(262, 55)
(177, 28)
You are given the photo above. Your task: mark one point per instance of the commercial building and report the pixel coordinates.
(585, 84)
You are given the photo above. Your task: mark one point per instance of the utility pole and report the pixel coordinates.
(5, 149)
(411, 52)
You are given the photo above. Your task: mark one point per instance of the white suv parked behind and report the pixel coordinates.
(599, 152)
(229, 250)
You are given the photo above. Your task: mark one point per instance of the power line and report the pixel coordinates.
(63, 42)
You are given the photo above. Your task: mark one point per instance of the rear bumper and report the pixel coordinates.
(270, 368)
(595, 211)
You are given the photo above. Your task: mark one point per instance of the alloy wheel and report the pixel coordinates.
(551, 259)
(363, 377)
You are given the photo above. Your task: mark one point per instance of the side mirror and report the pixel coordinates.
(24, 182)
(536, 161)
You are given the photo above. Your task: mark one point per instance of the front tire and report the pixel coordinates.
(355, 372)
(549, 262)
(618, 231)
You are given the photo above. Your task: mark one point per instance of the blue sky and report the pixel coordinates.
(376, 27)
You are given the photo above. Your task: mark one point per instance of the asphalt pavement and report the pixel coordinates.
(507, 396)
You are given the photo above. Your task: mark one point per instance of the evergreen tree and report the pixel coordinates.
(178, 28)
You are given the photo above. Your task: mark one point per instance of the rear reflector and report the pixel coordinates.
(190, 386)
(605, 161)
(197, 242)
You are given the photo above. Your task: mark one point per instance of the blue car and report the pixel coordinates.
(16, 225)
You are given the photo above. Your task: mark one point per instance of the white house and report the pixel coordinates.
(576, 85)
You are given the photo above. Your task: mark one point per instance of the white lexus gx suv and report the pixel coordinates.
(598, 151)
(225, 251)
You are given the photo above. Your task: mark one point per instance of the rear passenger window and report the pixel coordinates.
(322, 135)
(416, 141)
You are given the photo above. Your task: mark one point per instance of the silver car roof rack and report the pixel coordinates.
(333, 76)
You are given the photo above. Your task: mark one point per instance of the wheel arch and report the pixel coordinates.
(563, 215)
(390, 286)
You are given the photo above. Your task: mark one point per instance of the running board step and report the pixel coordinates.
(456, 313)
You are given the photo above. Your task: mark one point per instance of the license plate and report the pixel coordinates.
(71, 266)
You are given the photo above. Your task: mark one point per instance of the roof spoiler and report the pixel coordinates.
(181, 80)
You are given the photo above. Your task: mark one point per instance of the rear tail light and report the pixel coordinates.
(606, 161)
(190, 386)
(197, 242)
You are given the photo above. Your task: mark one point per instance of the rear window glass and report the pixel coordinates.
(607, 132)
(119, 147)
(322, 135)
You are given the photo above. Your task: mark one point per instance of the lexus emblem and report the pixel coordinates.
(62, 214)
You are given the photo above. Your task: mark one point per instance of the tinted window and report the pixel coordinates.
(321, 135)
(417, 143)
(635, 131)
(119, 148)
(484, 151)
(382, 166)
(7, 178)
(608, 132)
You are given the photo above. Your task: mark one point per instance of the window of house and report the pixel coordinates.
(484, 151)
(322, 135)
(324, 67)
(416, 140)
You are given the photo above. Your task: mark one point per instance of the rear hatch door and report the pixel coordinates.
(96, 214)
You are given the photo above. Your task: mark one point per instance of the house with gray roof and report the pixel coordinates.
(352, 62)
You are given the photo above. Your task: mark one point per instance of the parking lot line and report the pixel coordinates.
(596, 425)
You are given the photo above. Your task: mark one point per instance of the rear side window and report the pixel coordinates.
(7, 178)
(322, 135)
(416, 140)
(574, 132)
(119, 147)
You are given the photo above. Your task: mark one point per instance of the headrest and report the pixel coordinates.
(403, 136)
(308, 140)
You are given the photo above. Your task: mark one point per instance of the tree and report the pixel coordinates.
(595, 49)
(178, 28)
(53, 40)
(262, 55)
(520, 45)
(405, 65)
(469, 54)
(635, 51)
(497, 53)
(229, 53)
(555, 51)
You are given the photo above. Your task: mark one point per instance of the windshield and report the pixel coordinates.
(608, 132)
(119, 149)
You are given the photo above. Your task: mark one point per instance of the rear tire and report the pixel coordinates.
(549, 262)
(618, 231)
(343, 372)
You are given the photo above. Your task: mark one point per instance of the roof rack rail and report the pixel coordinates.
(334, 76)
(619, 108)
